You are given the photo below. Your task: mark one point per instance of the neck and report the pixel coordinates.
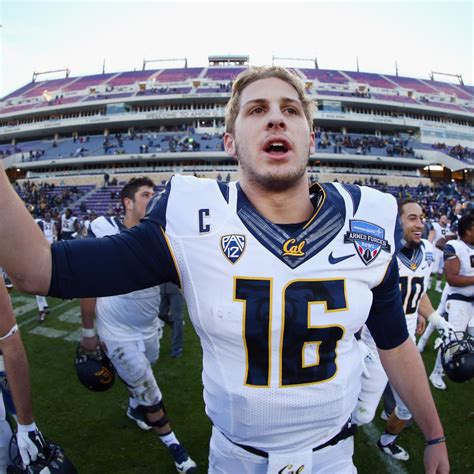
(281, 207)
(129, 221)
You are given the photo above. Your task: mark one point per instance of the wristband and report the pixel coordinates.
(434, 318)
(432, 442)
(26, 428)
(88, 332)
(12, 331)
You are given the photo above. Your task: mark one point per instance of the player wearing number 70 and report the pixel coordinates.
(277, 278)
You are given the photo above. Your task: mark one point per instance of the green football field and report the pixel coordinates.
(99, 438)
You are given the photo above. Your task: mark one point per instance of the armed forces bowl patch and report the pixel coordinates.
(368, 240)
(233, 246)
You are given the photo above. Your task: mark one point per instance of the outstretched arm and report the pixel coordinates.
(406, 372)
(14, 356)
(24, 253)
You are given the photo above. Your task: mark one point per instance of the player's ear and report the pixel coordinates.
(128, 203)
(229, 145)
(312, 147)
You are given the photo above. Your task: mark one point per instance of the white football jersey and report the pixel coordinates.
(276, 310)
(440, 232)
(67, 224)
(458, 248)
(129, 317)
(48, 229)
(414, 277)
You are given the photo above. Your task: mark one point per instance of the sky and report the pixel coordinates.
(421, 36)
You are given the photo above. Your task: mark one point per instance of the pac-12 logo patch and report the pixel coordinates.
(233, 246)
(368, 239)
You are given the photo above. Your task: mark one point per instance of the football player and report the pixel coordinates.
(130, 330)
(459, 271)
(414, 260)
(440, 230)
(70, 226)
(277, 277)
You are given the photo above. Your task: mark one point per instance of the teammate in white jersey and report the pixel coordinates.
(70, 226)
(277, 279)
(130, 330)
(50, 231)
(414, 260)
(459, 271)
(440, 230)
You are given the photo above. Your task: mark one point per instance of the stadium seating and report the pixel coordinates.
(372, 80)
(87, 81)
(223, 74)
(178, 75)
(131, 77)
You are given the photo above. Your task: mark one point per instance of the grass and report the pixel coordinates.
(100, 439)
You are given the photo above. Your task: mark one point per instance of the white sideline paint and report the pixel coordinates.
(72, 315)
(27, 304)
(74, 336)
(393, 466)
(48, 332)
(35, 318)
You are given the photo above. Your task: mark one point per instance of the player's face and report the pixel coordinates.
(271, 139)
(142, 197)
(443, 220)
(413, 223)
(469, 235)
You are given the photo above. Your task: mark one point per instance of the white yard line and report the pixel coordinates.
(20, 311)
(48, 332)
(393, 466)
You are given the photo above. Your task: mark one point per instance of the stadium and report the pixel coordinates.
(73, 141)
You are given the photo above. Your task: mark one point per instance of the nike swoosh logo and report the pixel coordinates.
(333, 260)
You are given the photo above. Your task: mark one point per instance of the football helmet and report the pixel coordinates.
(457, 357)
(94, 370)
(51, 460)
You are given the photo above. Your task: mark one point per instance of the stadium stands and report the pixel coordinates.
(372, 80)
(172, 120)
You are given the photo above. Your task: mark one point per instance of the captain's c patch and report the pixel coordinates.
(233, 246)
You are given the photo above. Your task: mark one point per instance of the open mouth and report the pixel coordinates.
(277, 147)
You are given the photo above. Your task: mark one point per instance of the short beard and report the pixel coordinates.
(272, 182)
(412, 244)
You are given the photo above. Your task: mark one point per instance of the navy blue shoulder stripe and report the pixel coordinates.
(224, 187)
(354, 193)
(156, 209)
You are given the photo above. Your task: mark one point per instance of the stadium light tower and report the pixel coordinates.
(146, 61)
(36, 74)
(457, 76)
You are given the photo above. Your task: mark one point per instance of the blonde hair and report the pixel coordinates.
(254, 74)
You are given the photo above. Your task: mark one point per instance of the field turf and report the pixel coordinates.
(99, 438)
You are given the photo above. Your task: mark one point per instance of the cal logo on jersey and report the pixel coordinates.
(368, 239)
(429, 257)
(233, 246)
(293, 248)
